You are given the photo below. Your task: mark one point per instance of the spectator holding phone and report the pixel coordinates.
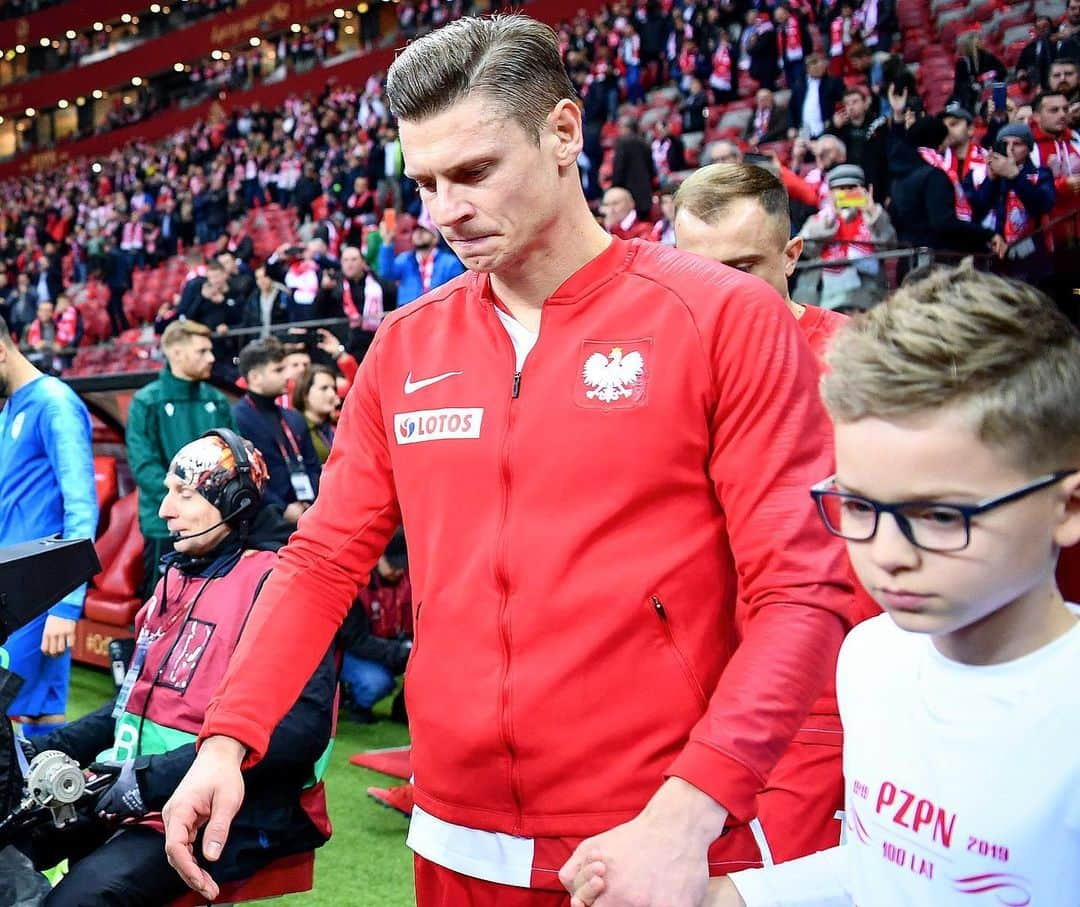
(1018, 195)
(847, 228)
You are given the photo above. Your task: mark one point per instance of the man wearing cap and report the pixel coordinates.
(1019, 195)
(963, 157)
(426, 267)
(849, 226)
(225, 544)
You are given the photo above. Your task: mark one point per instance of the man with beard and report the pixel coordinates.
(423, 269)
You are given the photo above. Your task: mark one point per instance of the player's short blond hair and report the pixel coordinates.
(997, 347)
(183, 331)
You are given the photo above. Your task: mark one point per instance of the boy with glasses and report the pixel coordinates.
(957, 484)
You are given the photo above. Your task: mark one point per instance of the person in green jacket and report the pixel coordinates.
(165, 415)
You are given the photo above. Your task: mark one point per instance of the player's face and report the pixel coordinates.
(194, 360)
(187, 512)
(745, 237)
(493, 191)
(959, 597)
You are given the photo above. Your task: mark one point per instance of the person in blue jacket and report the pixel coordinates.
(46, 488)
(426, 267)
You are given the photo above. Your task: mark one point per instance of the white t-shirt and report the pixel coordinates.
(962, 782)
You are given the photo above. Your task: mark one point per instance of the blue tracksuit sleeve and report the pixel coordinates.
(388, 264)
(66, 439)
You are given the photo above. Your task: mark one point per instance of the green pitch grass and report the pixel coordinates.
(366, 863)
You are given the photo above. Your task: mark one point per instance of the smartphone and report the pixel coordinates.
(752, 158)
(1000, 147)
(389, 219)
(999, 95)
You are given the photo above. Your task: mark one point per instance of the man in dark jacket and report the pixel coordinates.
(144, 740)
(633, 167)
(357, 294)
(1019, 195)
(281, 435)
(923, 196)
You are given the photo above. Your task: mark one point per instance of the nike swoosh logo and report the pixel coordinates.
(411, 387)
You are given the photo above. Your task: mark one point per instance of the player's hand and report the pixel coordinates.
(658, 859)
(998, 245)
(210, 794)
(58, 636)
(723, 893)
(294, 511)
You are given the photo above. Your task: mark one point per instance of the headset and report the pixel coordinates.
(240, 498)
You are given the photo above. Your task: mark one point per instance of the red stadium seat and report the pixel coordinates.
(113, 597)
(107, 485)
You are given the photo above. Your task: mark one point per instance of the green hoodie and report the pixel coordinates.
(163, 417)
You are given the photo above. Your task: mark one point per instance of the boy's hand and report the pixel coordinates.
(588, 883)
(723, 893)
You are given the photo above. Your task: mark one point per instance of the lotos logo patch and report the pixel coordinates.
(438, 424)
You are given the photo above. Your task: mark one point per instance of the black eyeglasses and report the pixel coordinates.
(930, 525)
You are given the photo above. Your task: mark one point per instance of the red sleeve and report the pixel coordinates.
(316, 578)
(795, 599)
(348, 366)
(798, 188)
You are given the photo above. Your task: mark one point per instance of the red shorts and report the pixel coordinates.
(437, 886)
(798, 807)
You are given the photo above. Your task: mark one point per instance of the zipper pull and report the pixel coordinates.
(658, 607)
(517, 386)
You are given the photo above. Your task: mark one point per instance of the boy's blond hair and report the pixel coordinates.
(183, 331)
(997, 347)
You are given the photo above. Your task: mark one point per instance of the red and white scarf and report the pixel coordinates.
(789, 41)
(374, 311)
(963, 206)
(839, 35)
(853, 239)
(721, 70)
(132, 236)
(303, 279)
(427, 268)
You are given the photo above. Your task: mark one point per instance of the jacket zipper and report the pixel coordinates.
(695, 686)
(505, 724)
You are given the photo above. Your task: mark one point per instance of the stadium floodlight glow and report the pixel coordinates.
(45, 42)
(79, 101)
(98, 26)
(30, 111)
(349, 29)
(96, 167)
(70, 34)
(225, 55)
(62, 104)
(255, 41)
(20, 48)
(127, 99)
(1, 121)
(339, 13)
(155, 8)
(126, 18)
(136, 81)
(295, 28)
(178, 67)
(98, 94)
(362, 8)
(215, 54)
(56, 45)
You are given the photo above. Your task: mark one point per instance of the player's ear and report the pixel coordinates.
(792, 251)
(1067, 530)
(564, 124)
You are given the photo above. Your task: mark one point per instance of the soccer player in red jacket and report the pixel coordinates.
(625, 605)
(737, 214)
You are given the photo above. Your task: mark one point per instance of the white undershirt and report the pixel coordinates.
(812, 117)
(962, 782)
(522, 338)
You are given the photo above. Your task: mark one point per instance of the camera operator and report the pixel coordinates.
(225, 545)
(357, 294)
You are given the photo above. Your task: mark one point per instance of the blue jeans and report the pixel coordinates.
(368, 681)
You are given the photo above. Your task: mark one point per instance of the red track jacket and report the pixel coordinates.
(618, 572)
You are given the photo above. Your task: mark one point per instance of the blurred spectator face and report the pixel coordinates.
(1022, 114)
(782, 15)
(352, 263)
(192, 359)
(667, 207)
(828, 152)
(764, 99)
(63, 303)
(359, 185)
(1043, 27)
(616, 207)
(314, 249)
(322, 399)
(724, 152)
(294, 366)
(24, 283)
(1063, 77)
(45, 312)
(1017, 149)
(228, 263)
(743, 237)
(1052, 114)
(816, 66)
(1072, 12)
(422, 239)
(262, 280)
(269, 379)
(959, 132)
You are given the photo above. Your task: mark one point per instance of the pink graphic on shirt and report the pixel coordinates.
(1010, 890)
